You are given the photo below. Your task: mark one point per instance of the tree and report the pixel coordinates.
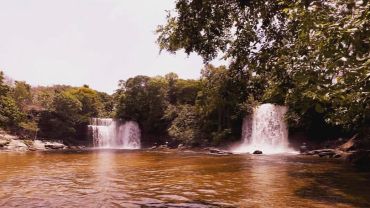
(90, 102)
(143, 99)
(312, 55)
(10, 116)
(185, 125)
(171, 79)
(22, 94)
(219, 100)
(107, 104)
(60, 122)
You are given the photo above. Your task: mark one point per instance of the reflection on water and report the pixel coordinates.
(137, 178)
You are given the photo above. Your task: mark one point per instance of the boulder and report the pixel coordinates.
(303, 148)
(16, 145)
(219, 152)
(4, 142)
(76, 147)
(328, 153)
(8, 137)
(38, 145)
(162, 147)
(257, 152)
(54, 145)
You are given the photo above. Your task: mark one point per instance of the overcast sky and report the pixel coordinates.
(94, 42)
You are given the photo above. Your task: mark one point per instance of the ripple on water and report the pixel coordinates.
(140, 179)
(173, 197)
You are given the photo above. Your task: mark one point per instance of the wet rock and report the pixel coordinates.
(16, 145)
(309, 153)
(4, 142)
(38, 145)
(8, 136)
(349, 145)
(162, 147)
(257, 152)
(54, 145)
(219, 152)
(303, 148)
(76, 147)
(324, 151)
(327, 153)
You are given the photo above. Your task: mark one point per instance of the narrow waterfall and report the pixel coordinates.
(109, 133)
(266, 131)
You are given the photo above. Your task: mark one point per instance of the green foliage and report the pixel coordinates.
(30, 128)
(219, 100)
(57, 112)
(68, 114)
(67, 106)
(22, 94)
(312, 55)
(189, 111)
(185, 125)
(143, 99)
(180, 91)
(107, 104)
(91, 105)
(10, 116)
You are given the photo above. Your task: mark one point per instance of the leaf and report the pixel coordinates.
(319, 108)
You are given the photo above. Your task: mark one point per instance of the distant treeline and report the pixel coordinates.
(208, 110)
(57, 112)
(205, 111)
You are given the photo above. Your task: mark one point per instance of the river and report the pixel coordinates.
(109, 178)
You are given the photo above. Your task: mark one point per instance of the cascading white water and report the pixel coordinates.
(109, 133)
(266, 131)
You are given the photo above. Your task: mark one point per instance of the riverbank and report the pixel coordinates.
(13, 143)
(348, 150)
(345, 151)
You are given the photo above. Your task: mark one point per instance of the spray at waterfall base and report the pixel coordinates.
(265, 130)
(108, 133)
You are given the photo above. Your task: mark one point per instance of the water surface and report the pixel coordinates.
(153, 179)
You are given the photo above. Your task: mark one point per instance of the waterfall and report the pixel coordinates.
(110, 133)
(266, 130)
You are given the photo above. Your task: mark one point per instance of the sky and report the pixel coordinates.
(93, 42)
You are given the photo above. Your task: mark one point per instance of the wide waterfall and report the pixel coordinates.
(266, 131)
(110, 133)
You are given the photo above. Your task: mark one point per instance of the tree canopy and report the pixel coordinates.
(312, 55)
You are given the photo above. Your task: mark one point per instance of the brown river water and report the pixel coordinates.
(159, 179)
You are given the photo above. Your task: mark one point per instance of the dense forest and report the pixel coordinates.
(311, 55)
(57, 112)
(168, 109)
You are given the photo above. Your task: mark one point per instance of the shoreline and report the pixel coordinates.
(345, 152)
